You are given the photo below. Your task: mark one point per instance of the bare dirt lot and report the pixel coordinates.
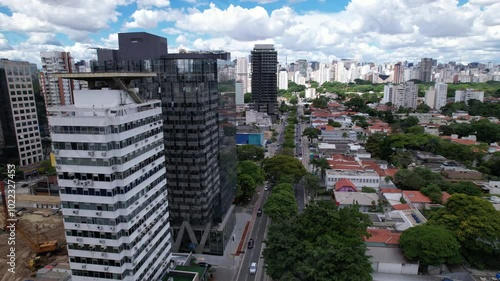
(51, 226)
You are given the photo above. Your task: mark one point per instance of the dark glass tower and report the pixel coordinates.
(265, 79)
(200, 158)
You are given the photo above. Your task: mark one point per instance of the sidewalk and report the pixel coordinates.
(226, 266)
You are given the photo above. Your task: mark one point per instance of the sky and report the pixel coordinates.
(317, 30)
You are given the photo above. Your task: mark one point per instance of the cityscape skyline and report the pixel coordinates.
(316, 30)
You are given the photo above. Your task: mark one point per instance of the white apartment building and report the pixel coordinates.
(19, 121)
(110, 167)
(403, 95)
(435, 97)
(359, 178)
(56, 91)
(283, 80)
(242, 71)
(468, 94)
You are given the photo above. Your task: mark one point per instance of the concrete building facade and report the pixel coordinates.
(56, 91)
(21, 141)
(111, 170)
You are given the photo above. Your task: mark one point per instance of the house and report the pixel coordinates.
(358, 176)
(345, 185)
(382, 238)
(416, 198)
(390, 260)
(366, 201)
(461, 173)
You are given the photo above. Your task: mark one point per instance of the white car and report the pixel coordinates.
(253, 268)
(266, 188)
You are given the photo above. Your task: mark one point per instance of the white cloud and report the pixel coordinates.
(237, 22)
(152, 3)
(150, 18)
(4, 43)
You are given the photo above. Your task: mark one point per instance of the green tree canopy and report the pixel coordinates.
(311, 133)
(250, 168)
(316, 244)
(246, 186)
(283, 165)
(250, 152)
(247, 98)
(430, 245)
(475, 224)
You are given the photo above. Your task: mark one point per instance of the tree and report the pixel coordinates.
(415, 130)
(368, 189)
(281, 204)
(311, 183)
(316, 245)
(246, 186)
(46, 168)
(250, 152)
(430, 245)
(283, 165)
(247, 98)
(409, 122)
(311, 133)
(334, 124)
(468, 188)
(320, 102)
(250, 168)
(287, 151)
(294, 100)
(423, 108)
(320, 164)
(433, 192)
(356, 104)
(476, 225)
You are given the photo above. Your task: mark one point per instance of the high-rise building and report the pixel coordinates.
(302, 67)
(18, 117)
(264, 79)
(468, 94)
(56, 91)
(201, 189)
(242, 72)
(435, 97)
(398, 73)
(283, 80)
(425, 68)
(402, 95)
(111, 169)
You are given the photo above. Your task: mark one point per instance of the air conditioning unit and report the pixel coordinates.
(106, 268)
(76, 181)
(99, 227)
(85, 183)
(91, 153)
(91, 182)
(79, 239)
(136, 145)
(58, 167)
(56, 152)
(143, 170)
(77, 225)
(112, 227)
(98, 213)
(104, 254)
(75, 211)
(84, 266)
(102, 241)
(92, 247)
(103, 153)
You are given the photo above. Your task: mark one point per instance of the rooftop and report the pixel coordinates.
(349, 198)
(383, 236)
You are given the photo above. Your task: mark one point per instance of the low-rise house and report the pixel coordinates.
(380, 237)
(461, 173)
(390, 260)
(357, 176)
(345, 185)
(366, 201)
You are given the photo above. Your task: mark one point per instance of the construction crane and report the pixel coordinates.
(44, 246)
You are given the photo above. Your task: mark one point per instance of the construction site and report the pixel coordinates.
(39, 236)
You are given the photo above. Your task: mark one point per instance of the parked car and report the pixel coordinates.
(259, 212)
(253, 268)
(266, 188)
(250, 244)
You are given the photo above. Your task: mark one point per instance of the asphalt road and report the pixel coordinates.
(255, 254)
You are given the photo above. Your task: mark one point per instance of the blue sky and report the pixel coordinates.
(323, 30)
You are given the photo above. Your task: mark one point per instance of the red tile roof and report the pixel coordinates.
(416, 196)
(383, 236)
(390, 190)
(344, 183)
(401, 207)
(445, 196)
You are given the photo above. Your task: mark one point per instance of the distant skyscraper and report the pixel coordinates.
(283, 80)
(436, 96)
(242, 72)
(425, 68)
(264, 79)
(111, 171)
(239, 94)
(398, 73)
(18, 116)
(56, 91)
(402, 95)
(302, 67)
